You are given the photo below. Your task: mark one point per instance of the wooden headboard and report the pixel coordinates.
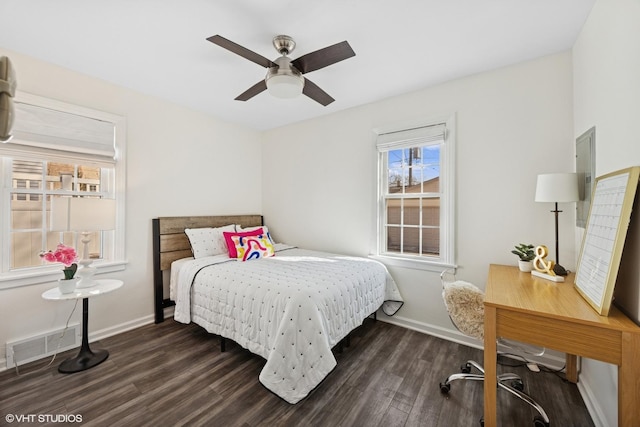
(170, 243)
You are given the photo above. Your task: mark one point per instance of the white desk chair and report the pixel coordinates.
(465, 305)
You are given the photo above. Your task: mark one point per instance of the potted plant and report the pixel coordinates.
(68, 257)
(526, 254)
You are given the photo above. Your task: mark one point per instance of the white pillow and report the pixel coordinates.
(240, 229)
(208, 241)
(265, 230)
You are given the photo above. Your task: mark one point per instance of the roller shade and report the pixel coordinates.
(414, 137)
(43, 130)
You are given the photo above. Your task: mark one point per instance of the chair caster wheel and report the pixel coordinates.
(466, 368)
(538, 421)
(444, 388)
(482, 422)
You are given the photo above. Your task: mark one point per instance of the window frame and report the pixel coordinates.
(446, 259)
(50, 272)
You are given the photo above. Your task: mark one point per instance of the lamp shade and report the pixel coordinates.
(557, 187)
(82, 214)
(285, 86)
(284, 81)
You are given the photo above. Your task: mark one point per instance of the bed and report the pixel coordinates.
(291, 307)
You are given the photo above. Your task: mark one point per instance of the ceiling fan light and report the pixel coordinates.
(285, 85)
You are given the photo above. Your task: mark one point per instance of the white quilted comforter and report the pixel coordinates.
(290, 309)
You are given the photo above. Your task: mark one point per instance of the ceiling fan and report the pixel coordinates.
(284, 76)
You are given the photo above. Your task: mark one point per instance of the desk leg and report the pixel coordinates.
(490, 368)
(571, 369)
(86, 358)
(629, 381)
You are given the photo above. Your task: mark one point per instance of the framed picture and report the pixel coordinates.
(586, 170)
(604, 237)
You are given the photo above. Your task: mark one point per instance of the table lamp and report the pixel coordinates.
(85, 215)
(557, 188)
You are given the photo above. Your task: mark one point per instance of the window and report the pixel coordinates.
(415, 203)
(57, 150)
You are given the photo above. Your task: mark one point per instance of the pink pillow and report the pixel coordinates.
(228, 237)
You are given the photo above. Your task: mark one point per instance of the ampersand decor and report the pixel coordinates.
(540, 263)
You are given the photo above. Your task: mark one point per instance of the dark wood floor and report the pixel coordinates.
(174, 374)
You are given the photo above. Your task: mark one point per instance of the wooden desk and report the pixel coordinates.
(554, 315)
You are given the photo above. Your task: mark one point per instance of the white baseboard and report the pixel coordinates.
(448, 334)
(104, 333)
(436, 331)
(122, 327)
(553, 360)
(592, 404)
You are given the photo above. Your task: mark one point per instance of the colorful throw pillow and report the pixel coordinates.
(231, 246)
(253, 247)
(264, 229)
(208, 241)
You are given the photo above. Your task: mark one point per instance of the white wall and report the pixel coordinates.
(512, 124)
(606, 70)
(179, 161)
(318, 177)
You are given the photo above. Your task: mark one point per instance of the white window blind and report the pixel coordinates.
(414, 137)
(39, 130)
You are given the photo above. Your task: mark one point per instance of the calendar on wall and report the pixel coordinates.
(605, 233)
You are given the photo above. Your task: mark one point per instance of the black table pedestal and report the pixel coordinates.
(86, 358)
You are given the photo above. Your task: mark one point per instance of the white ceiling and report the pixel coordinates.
(159, 47)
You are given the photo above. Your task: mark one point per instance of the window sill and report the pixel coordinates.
(414, 263)
(35, 276)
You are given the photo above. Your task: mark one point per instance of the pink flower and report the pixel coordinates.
(63, 254)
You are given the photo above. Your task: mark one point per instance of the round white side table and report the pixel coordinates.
(86, 358)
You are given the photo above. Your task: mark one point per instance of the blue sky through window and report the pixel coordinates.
(425, 162)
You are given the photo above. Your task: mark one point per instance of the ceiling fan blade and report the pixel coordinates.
(242, 51)
(314, 92)
(261, 86)
(324, 57)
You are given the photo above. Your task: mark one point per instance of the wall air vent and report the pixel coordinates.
(36, 347)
